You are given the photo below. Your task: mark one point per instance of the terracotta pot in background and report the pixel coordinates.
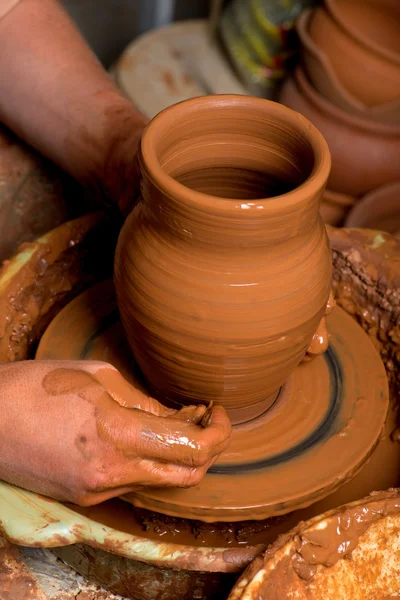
(335, 207)
(380, 210)
(223, 271)
(323, 77)
(370, 77)
(365, 155)
(373, 23)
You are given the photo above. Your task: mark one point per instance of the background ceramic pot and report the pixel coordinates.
(223, 270)
(373, 23)
(370, 77)
(380, 210)
(323, 77)
(365, 155)
(335, 207)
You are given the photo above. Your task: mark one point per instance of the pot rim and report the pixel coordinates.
(358, 36)
(302, 29)
(337, 114)
(314, 182)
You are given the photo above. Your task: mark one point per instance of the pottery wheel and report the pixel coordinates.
(320, 431)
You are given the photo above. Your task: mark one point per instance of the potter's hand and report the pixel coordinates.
(119, 181)
(65, 104)
(77, 431)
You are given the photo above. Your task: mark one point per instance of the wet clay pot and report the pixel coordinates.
(325, 80)
(223, 270)
(380, 210)
(371, 77)
(365, 155)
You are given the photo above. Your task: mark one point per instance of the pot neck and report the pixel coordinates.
(219, 222)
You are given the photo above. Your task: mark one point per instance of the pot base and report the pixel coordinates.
(315, 437)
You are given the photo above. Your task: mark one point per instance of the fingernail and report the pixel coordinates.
(207, 415)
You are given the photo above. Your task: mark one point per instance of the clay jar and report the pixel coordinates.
(371, 77)
(365, 155)
(223, 269)
(325, 80)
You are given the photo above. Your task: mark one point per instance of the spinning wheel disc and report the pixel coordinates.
(317, 435)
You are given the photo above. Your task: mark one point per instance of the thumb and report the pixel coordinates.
(127, 395)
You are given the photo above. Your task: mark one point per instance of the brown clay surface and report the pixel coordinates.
(279, 447)
(27, 574)
(45, 275)
(350, 552)
(223, 269)
(366, 281)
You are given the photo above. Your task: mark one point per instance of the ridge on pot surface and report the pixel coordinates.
(371, 78)
(365, 155)
(223, 270)
(323, 77)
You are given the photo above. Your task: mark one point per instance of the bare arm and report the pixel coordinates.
(55, 94)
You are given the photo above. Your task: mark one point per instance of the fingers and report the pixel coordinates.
(145, 473)
(165, 439)
(126, 394)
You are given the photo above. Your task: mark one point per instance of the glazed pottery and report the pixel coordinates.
(334, 207)
(380, 209)
(373, 23)
(371, 78)
(323, 77)
(223, 270)
(365, 155)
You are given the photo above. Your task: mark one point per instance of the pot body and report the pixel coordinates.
(365, 155)
(220, 295)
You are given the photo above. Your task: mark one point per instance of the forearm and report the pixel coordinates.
(56, 95)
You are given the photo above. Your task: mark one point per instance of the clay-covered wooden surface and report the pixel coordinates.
(348, 553)
(37, 574)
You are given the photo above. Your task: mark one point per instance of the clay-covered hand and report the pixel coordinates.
(79, 432)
